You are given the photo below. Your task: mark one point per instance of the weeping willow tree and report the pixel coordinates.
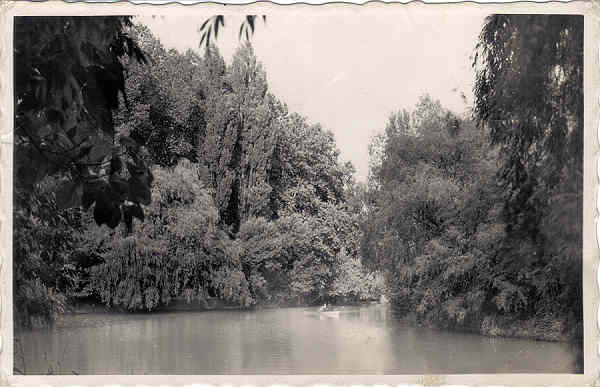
(178, 251)
(529, 93)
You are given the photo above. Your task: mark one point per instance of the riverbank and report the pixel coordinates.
(174, 306)
(181, 304)
(536, 328)
(551, 329)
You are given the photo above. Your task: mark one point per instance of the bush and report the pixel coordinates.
(43, 241)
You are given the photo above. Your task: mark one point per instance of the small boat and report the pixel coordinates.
(323, 313)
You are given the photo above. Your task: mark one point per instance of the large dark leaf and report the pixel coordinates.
(106, 210)
(102, 209)
(131, 211)
(115, 217)
(119, 189)
(139, 190)
(91, 189)
(116, 165)
(88, 198)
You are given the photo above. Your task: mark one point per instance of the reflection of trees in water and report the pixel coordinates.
(374, 313)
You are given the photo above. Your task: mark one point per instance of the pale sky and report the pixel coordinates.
(349, 71)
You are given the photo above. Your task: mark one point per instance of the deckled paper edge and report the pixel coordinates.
(5, 191)
(591, 242)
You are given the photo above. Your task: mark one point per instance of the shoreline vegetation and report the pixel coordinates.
(208, 187)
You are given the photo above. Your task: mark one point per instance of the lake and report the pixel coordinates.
(360, 340)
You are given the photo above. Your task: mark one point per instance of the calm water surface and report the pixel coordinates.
(360, 340)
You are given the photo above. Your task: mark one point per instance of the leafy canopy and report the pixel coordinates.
(68, 77)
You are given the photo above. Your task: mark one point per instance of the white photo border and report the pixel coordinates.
(591, 219)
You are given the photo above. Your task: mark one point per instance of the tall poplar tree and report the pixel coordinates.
(240, 138)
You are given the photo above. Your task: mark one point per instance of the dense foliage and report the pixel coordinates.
(250, 203)
(437, 228)
(477, 224)
(539, 132)
(432, 225)
(274, 181)
(67, 78)
(179, 251)
(44, 239)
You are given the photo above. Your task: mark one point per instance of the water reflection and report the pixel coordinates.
(357, 340)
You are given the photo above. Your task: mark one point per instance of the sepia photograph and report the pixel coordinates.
(351, 193)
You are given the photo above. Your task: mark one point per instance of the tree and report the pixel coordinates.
(68, 76)
(309, 168)
(432, 202)
(178, 252)
(44, 240)
(446, 225)
(166, 101)
(529, 93)
(354, 283)
(239, 141)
